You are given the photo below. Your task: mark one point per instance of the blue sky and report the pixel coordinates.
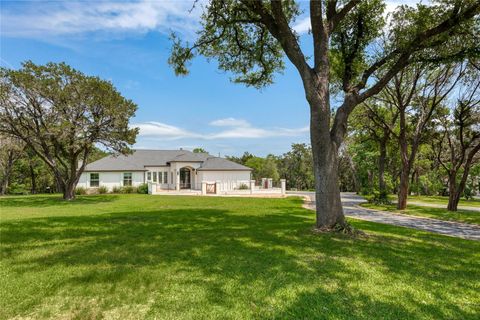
(127, 43)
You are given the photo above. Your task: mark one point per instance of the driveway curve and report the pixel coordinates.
(352, 209)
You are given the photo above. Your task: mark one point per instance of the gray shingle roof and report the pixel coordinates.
(139, 159)
(216, 163)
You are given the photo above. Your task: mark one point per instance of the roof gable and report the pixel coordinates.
(139, 159)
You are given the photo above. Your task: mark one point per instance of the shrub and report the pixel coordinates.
(143, 188)
(80, 191)
(102, 190)
(128, 189)
(379, 198)
(116, 189)
(243, 186)
(468, 193)
(17, 188)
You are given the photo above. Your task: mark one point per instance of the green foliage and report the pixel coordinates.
(351, 38)
(296, 166)
(199, 150)
(243, 186)
(17, 188)
(242, 160)
(80, 190)
(143, 188)
(116, 189)
(128, 189)
(102, 190)
(76, 112)
(263, 167)
(379, 198)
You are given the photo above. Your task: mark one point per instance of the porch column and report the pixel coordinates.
(177, 180)
(217, 186)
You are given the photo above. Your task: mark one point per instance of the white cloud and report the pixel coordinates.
(230, 122)
(58, 18)
(162, 130)
(303, 25)
(237, 129)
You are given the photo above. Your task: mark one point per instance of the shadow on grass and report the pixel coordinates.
(275, 251)
(53, 200)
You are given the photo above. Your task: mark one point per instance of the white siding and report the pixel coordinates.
(111, 179)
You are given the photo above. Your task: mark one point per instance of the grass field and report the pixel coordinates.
(160, 257)
(443, 200)
(468, 216)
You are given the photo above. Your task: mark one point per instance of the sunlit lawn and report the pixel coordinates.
(140, 256)
(437, 200)
(444, 201)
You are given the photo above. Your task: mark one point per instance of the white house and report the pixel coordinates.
(166, 170)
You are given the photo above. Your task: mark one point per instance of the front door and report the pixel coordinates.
(185, 178)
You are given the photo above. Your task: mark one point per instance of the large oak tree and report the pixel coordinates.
(61, 114)
(251, 37)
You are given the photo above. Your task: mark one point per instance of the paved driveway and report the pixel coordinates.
(352, 209)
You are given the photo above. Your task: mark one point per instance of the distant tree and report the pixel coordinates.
(379, 122)
(250, 38)
(97, 154)
(296, 166)
(458, 141)
(199, 150)
(11, 149)
(417, 94)
(61, 114)
(263, 167)
(241, 160)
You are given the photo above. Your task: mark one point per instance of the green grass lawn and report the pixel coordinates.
(444, 200)
(438, 200)
(167, 257)
(468, 216)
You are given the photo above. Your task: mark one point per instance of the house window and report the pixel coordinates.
(165, 177)
(154, 177)
(171, 177)
(149, 176)
(94, 180)
(127, 179)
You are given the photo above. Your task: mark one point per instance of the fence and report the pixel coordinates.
(222, 187)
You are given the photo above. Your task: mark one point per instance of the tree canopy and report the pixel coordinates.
(61, 114)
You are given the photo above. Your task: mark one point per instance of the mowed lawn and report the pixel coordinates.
(440, 200)
(166, 257)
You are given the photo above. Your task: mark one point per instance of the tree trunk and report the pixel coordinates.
(403, 190)
(329, 209)
(458, 190)
(33, 179)
(381, 167)
(453, 194)
(7, 173)
(406, 164)
(69, 192)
